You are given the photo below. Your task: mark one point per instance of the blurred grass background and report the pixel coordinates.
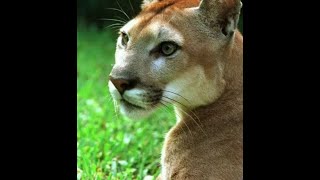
(110, 146)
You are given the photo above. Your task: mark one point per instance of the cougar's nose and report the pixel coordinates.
(123, 84)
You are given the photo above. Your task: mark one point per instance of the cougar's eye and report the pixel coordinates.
(124, 38)
(168, 48)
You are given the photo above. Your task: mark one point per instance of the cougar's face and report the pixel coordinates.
(148, 54)
(155, 64)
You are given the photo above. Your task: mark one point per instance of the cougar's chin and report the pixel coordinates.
(134, 111)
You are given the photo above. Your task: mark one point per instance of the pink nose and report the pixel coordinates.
(122, 84)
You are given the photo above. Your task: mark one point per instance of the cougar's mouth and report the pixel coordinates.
(138, 102)
(129, 105)
(136, 106)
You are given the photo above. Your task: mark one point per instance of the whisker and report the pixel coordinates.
(132, 7)
(109, 99)
(183, 106)
(123, 10)
(115, 24)
(179, 117)
(194, 120)
(116, 20)
(177, 95)
(116, 109)
(115, 9)
(114, 27)
(188, 113)
(122, 19)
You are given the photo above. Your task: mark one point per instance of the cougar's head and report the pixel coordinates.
(172, 53)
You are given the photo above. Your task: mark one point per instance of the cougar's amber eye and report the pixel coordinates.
(168, 48)
(124, 38)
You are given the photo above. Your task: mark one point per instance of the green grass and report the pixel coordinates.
(110, 146)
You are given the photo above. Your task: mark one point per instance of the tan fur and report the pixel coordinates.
(206, 142)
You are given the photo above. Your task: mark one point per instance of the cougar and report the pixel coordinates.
(186, 53)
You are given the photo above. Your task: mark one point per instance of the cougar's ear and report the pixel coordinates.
(221, 13)
(146, 2)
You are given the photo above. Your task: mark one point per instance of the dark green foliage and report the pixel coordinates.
(92, 11)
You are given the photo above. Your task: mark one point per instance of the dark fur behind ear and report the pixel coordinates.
(222, 13)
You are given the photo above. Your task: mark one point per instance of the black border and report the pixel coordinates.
(40, 72)
(39, 120)
(278, 74)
